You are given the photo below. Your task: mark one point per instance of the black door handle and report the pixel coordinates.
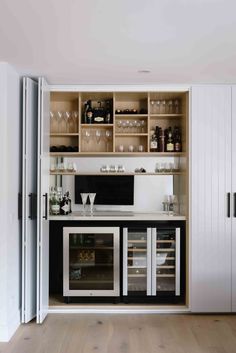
(46, 206)
(235, 204)
(228, 204)
(19, 205)
(30, 205)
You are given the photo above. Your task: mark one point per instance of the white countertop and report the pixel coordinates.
(118, 216)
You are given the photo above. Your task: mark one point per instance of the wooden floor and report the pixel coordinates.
(107, 333)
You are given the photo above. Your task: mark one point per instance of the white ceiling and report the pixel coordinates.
(108, 41)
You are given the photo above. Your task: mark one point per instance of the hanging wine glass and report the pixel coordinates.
(66, 117)
(98, 136)
(108, 137)
(52, 115)
(59, 121)
(74, 116)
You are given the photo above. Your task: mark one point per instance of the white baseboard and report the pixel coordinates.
(7, 330)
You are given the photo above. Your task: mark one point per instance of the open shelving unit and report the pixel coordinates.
(126, 134)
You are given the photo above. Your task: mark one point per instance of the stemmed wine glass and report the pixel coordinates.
(108, 137)
(142, 122)
(98, 136)
(158, 104)
(52, 114)
(74, 116)
(84, 197)
(59, 120)
(152, 106)
(67, 116)
(86, 135)
(119, 125)
(91, 200)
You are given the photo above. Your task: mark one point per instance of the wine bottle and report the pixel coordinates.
(153, 143)
(177, 140)
(161, 141)
(170, 142)
(89, 113)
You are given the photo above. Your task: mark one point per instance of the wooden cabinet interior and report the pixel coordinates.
(134, 116)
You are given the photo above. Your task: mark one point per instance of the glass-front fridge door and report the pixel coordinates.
(166, 262)
(136, 262)
(91, 261)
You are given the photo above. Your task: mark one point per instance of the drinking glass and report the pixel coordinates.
(158, 104)
(123, 125)
(131, 125)
(142, 122)
(74, 116)
(98, 136)
(177, 106)
(67, 116)
(86, 135)
(108, 137)
(119, 125)
(163, 106)
(52, 115)
(59, 116)
(152, 103)
(91, 200)
(84, 197)
(170, 106)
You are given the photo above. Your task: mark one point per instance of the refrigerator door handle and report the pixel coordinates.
(149, 261)
(125, 259)
(154, 260)
(177, 261)
(46, 206)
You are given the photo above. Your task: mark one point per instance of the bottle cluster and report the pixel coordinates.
(97, 112)
(166, 140)
(59, 204)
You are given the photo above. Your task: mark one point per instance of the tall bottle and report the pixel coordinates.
(89, 113)
(177, 139)
(161, 140)
(108, 113)
(170, 141)
(153, 142)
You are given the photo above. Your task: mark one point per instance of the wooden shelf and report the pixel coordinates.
(124, 154)
(61, 134)
(115, 174)
(164, 116)
(129, 134)
(132, 116)
(96, 125)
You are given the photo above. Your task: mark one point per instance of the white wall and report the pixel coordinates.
(149, 191)
(10, 243)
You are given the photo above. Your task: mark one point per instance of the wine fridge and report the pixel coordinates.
(91, 261)
(153, 264)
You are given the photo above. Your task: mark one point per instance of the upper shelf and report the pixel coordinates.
(120, 154)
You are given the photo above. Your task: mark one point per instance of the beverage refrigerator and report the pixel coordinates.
(154, 264)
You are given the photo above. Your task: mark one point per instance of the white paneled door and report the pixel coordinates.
(29, 192)
(210, 256)
(43, 188)
(233, 199)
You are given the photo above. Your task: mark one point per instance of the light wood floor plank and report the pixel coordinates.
(114, 333)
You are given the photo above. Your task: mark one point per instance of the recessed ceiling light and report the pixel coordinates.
(144, 71)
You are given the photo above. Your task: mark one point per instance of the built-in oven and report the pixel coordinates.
(91, 262)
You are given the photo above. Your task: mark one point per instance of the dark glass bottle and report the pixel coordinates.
(161, 140)
(64, 205)
(170, 141)
(108, 113)
(86, 107)
(89, 113)
(153, 143)
(177, 139)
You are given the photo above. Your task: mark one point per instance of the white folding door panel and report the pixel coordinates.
(210, 256)
(233, 199)
(29, 192)
(43, 188)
